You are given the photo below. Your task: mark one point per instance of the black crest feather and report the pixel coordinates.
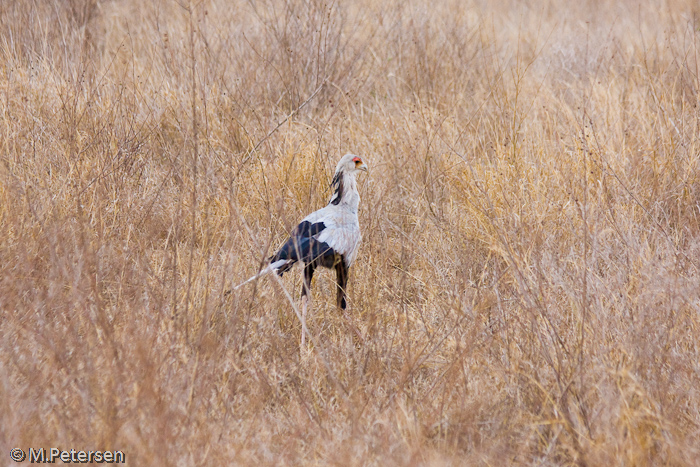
(339, 189)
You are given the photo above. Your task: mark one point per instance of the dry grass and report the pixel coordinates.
(527, 291)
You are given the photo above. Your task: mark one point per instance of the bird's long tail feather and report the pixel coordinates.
(267, 270)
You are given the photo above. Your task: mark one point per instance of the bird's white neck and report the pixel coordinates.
(345, 194)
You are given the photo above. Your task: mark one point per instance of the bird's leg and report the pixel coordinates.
(304, 301)
(305, 297)
(341, 272)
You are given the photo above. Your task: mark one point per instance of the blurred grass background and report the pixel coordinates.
(527, 290)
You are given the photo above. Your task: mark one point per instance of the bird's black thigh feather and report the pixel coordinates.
(341, 271)
(308, 275)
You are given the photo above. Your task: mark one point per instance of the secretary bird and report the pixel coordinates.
(328, 238)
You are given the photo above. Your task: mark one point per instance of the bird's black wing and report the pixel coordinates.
(302, 246)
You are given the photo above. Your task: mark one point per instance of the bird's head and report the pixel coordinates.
(351, 164)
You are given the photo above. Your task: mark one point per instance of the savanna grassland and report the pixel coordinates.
(527, 291)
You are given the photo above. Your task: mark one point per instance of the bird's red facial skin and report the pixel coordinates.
(357, 160)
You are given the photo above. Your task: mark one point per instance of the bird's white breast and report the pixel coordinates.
(342, 232)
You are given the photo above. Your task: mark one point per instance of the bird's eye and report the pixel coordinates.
(357, 161)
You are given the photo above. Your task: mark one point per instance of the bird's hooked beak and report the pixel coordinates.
(359, 164)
